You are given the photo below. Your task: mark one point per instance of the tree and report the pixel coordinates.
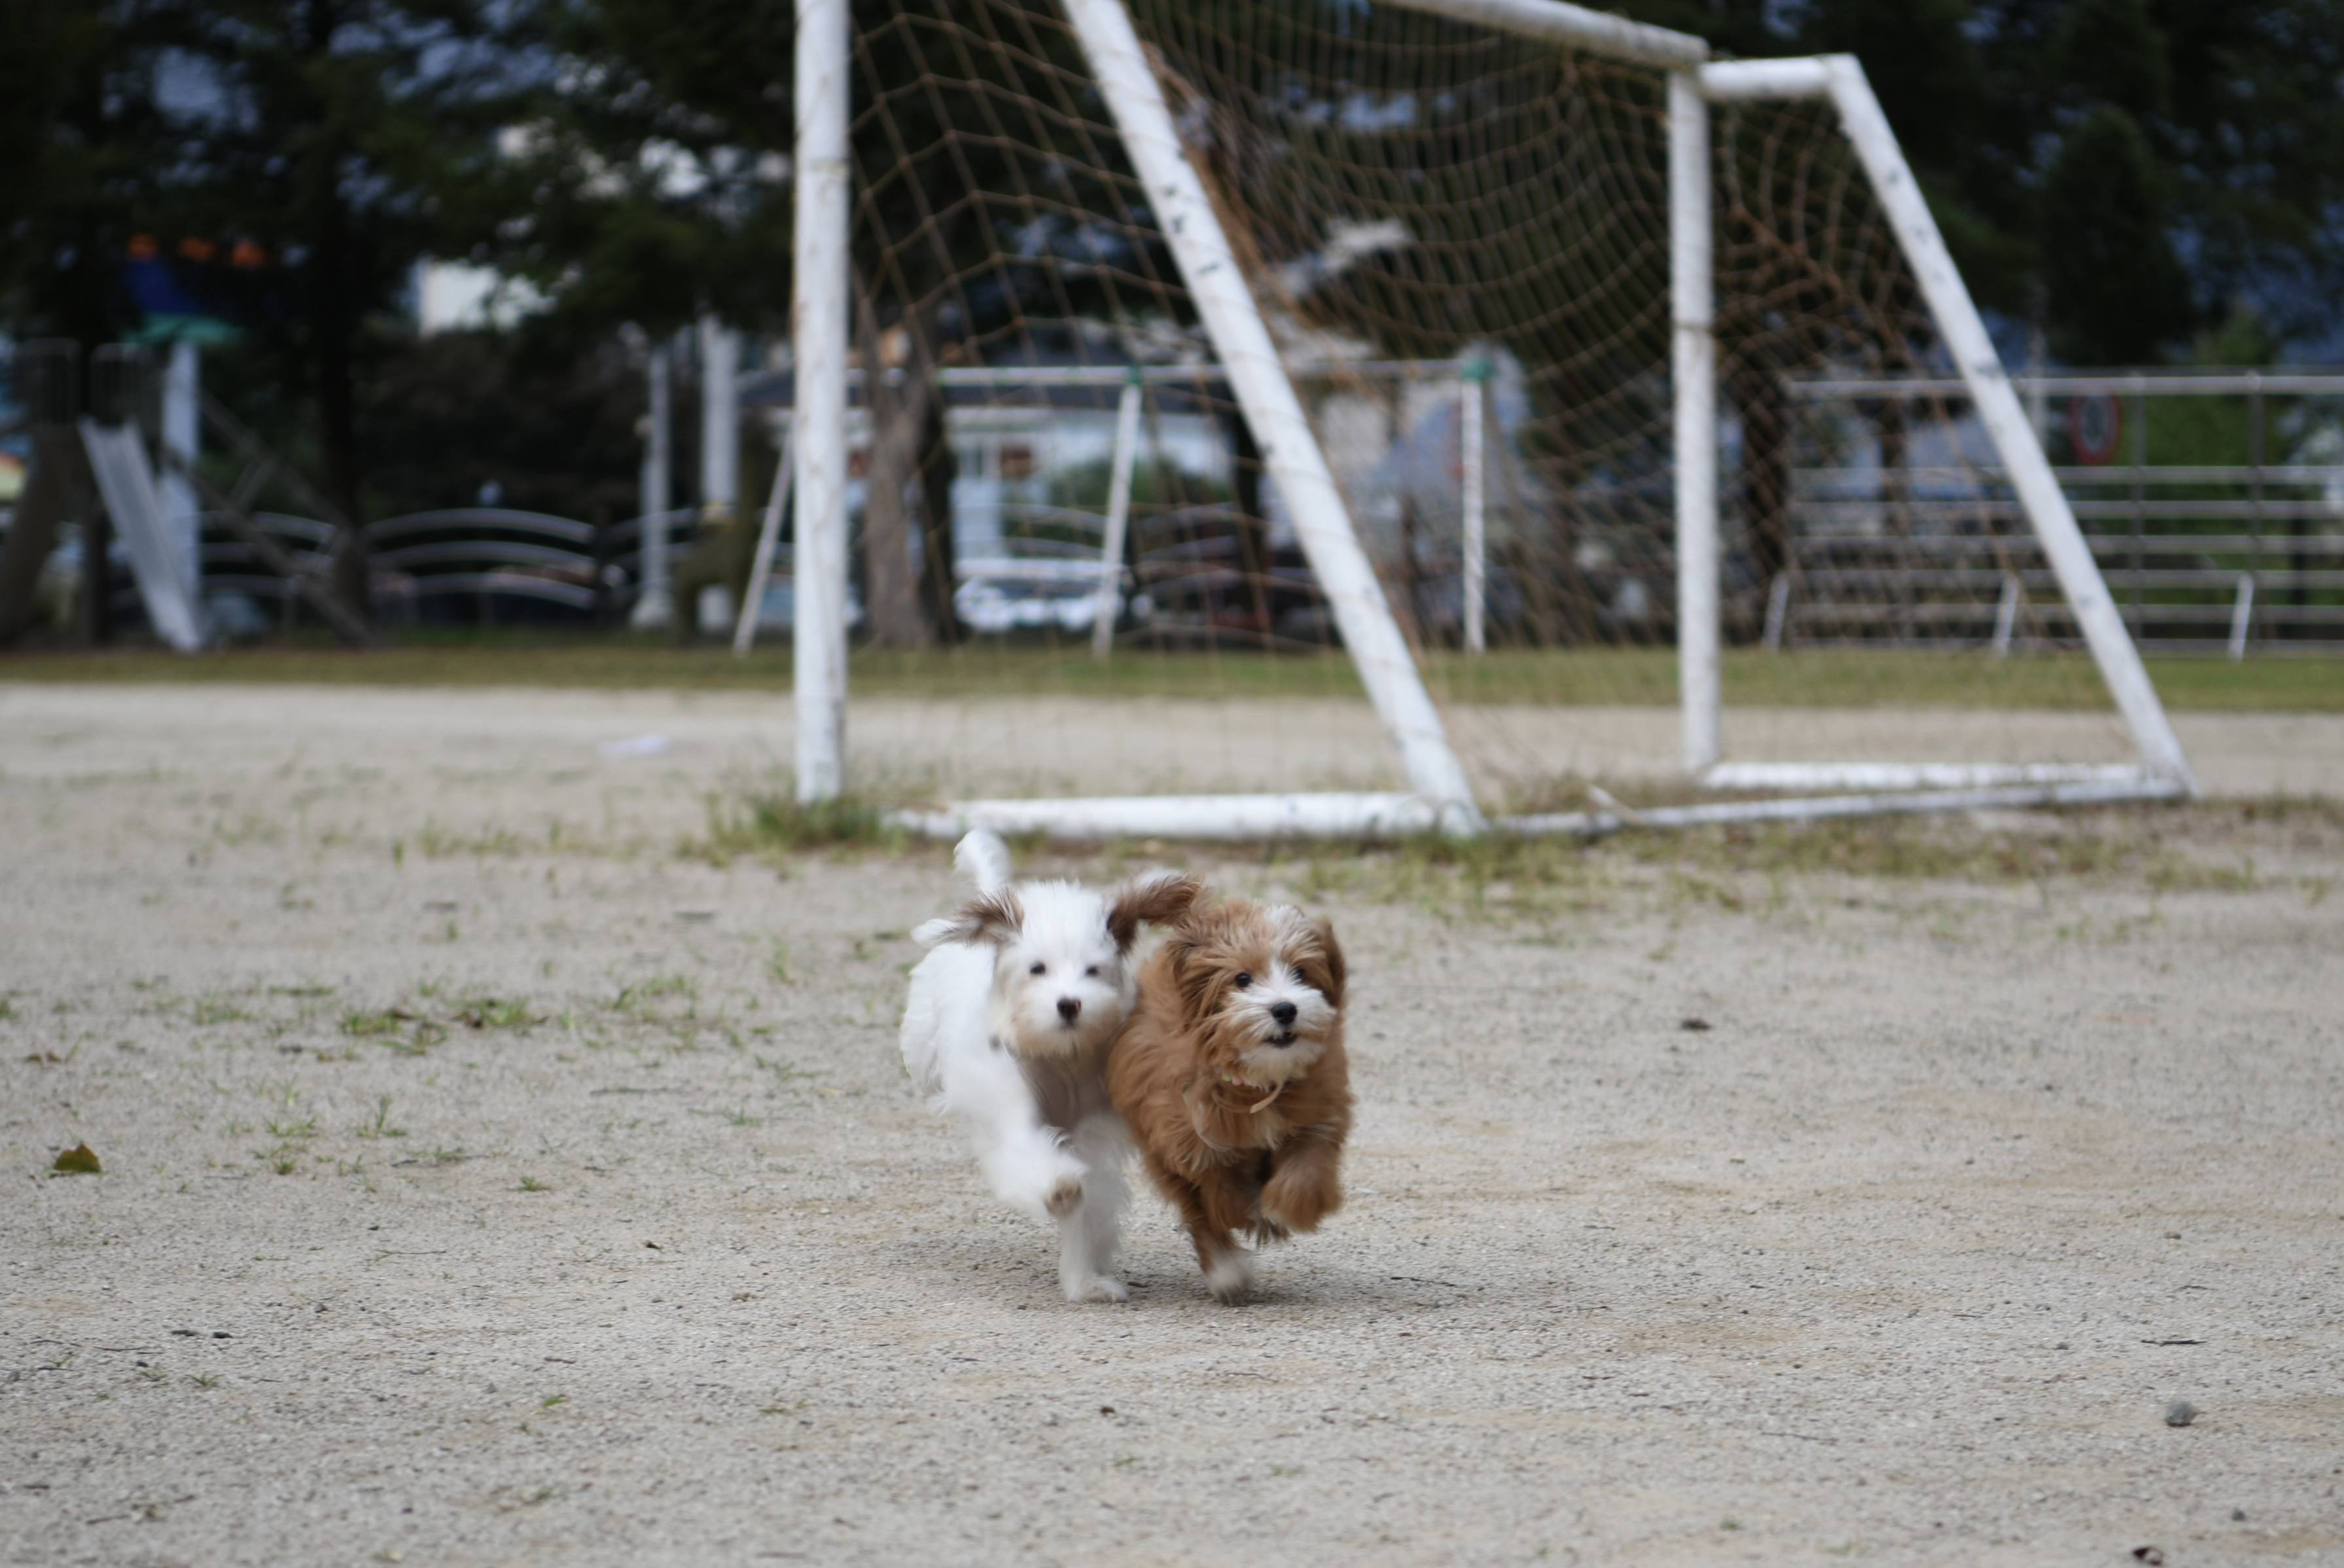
(80, 135)
(2138, 166)
(350, 139)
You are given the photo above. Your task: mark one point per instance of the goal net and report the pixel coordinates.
(1289, 405)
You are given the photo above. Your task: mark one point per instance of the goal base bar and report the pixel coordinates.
(1210, 817)
(1823, 808)
(1397, 817)
(1913, 775)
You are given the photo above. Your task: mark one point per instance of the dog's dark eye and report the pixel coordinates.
(1298, 976)
(1039, 969)
(1243, 980)
(1092, 972)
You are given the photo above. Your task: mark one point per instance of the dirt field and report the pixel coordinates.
(487, 1180)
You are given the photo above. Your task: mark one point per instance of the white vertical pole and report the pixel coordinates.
(182, 422)
(1118, 516)
(1693, 359)
(1232, 318)
(655, 491)
(2242, 616)
(2006, 615)
(1476, 543)
(818, 333)
(2038, 393)
(761, 567)
(2005, 423)
(1778, 612)
(720, 420)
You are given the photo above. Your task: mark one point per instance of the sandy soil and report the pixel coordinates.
(486, 1182)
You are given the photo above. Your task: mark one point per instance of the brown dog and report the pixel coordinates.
(1232, 1076)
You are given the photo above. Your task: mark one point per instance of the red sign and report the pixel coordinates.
(2095, 428)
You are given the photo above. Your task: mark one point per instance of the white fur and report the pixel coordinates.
(985, 1036)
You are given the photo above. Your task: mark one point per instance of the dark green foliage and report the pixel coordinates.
(554, 431)
(2137, 166)
(2116, 289)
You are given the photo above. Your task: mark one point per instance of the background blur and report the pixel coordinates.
(424, 254)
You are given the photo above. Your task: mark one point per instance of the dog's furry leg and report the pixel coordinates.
(1024, 1161)
(1229, 1272)
(1087, 1237)
(1304, 1186)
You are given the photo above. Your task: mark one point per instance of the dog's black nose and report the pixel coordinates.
(1283, 1012)
(1068, 1007)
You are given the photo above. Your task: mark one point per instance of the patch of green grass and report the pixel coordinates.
(2205, 848)
(438, 843)
(495, 1013)
(381, 1128)
(214, 1008)
(774, 827)
(1589, 676)
(635, 997)
(531, 1184)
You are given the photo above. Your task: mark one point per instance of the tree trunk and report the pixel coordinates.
(1766, 431)
(332, 327)
(49, 497)
(898, 405)
(1252, 527)
(939, 466)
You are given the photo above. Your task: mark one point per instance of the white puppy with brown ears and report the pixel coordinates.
(1007, 1025)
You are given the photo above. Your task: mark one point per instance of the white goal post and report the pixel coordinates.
(2163, 770)
(1439, 796)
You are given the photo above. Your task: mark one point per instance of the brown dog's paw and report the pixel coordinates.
(1296, 1201)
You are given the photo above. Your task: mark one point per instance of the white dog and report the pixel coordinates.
(1010, 1014)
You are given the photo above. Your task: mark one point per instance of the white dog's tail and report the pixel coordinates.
(984, 859)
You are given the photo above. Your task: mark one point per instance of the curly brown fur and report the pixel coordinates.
(1233, 1079)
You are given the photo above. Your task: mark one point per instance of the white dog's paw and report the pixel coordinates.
(1064, 1195)
(1230, 1280)
(1100, 1288)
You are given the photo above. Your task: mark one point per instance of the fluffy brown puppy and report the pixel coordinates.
(1232, 1076)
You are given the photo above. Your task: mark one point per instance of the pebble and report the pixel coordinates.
(2180, 1413)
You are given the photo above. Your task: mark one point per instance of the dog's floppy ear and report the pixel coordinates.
(1330, 953)
(995, 917)
(1194, 980)
(1160, 896)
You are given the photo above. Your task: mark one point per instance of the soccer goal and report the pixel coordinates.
(1245, 418)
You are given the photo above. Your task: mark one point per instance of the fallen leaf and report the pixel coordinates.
(80, 1160)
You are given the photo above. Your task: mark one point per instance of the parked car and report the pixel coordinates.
(1012, 594)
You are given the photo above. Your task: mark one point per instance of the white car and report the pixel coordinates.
(1027, 596)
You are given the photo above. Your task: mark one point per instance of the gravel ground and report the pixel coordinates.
(486, 1182)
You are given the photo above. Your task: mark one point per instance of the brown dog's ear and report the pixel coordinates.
(995, 917)
(1160, 896)
(1330, 953)
(1193, 980)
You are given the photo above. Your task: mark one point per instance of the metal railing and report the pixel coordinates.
(2213, 501)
